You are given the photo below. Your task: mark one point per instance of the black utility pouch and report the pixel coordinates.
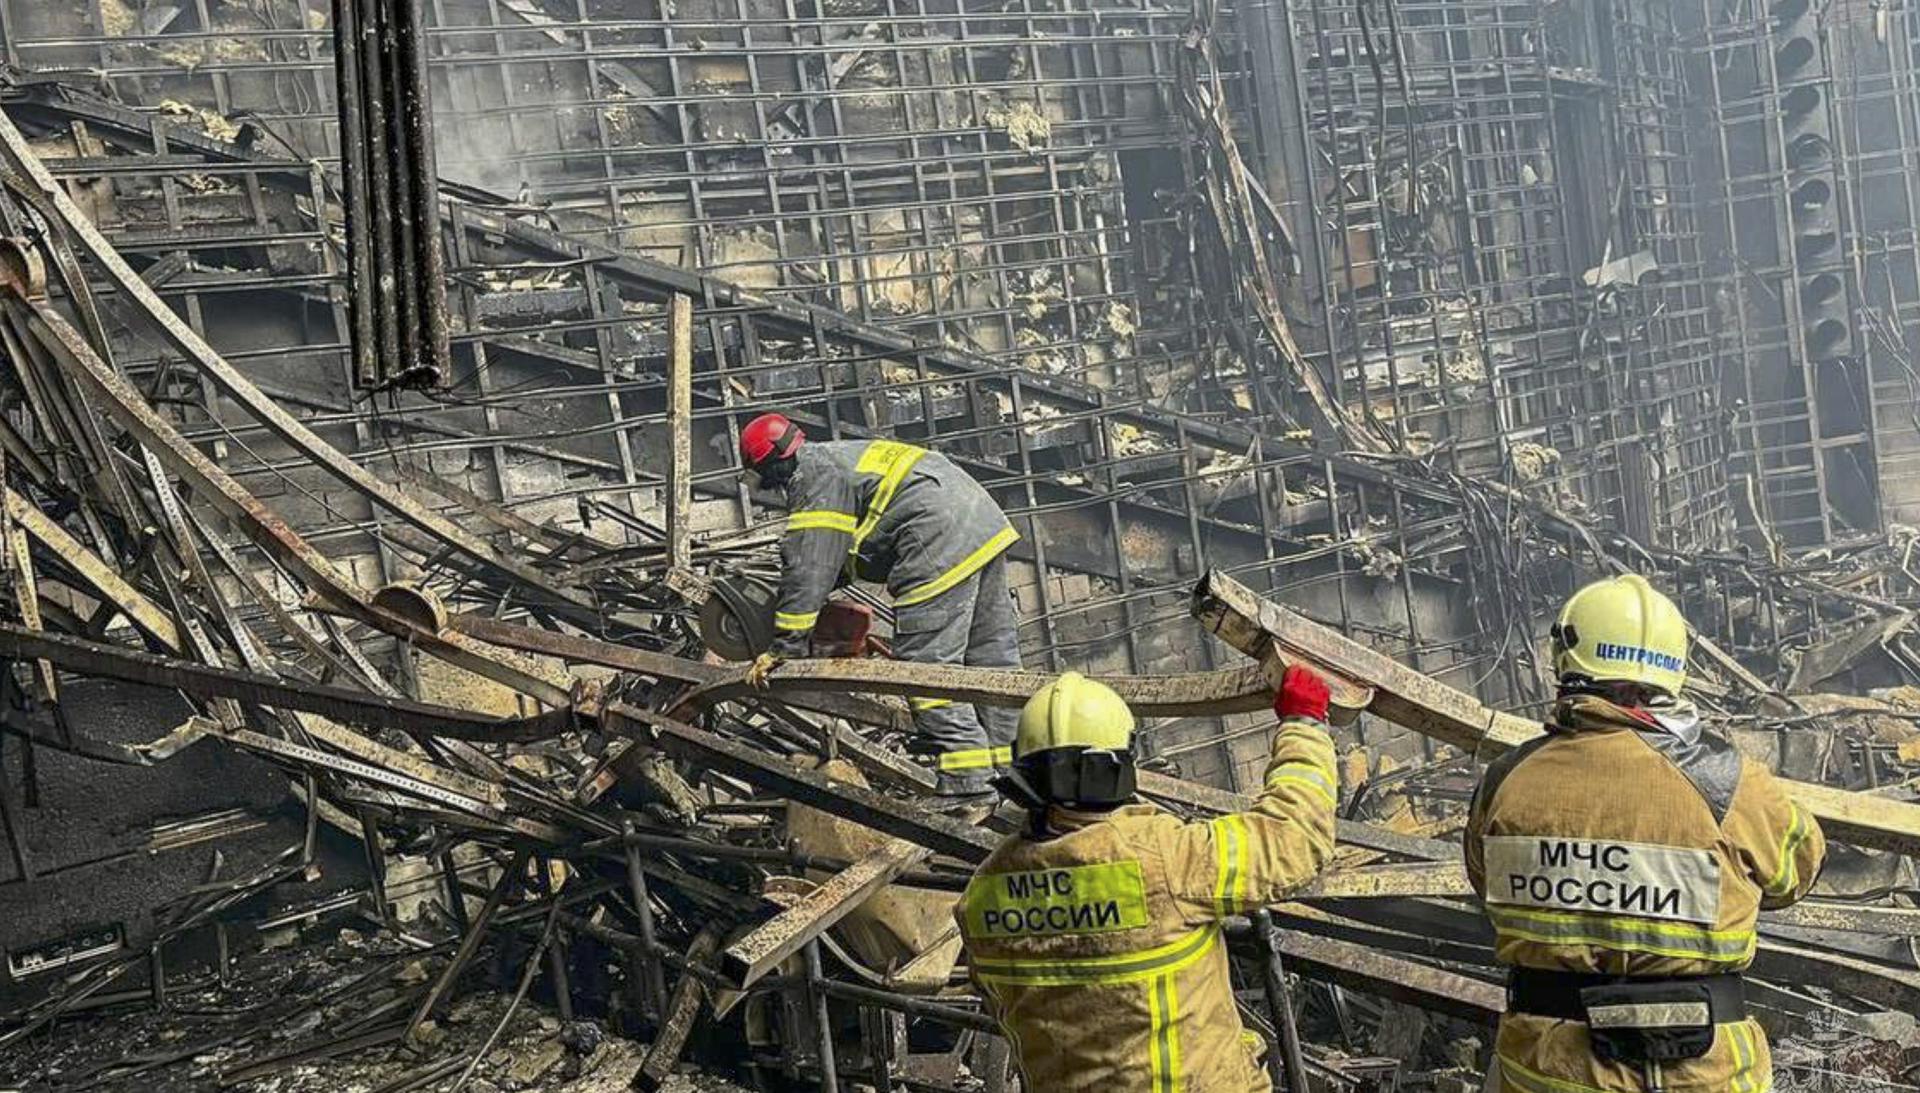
(1635, 1023)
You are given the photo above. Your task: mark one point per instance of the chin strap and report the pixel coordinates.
(1016, 789)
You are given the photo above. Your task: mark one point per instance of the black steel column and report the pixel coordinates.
(396, 266)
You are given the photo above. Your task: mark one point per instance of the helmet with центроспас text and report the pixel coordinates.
(1622, 630)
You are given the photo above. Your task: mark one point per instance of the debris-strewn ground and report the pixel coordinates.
(247, 1035)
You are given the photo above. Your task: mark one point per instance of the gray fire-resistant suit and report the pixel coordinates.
(886, 511)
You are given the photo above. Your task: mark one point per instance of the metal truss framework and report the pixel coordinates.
(1449, 275)
(1505, 254)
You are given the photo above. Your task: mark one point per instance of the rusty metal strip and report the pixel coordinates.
(878, 763)
(103, 580)
(1260, 627)
(762, 949)
(213, 367)
(352, 744)
(504, 518)
(341, 704)
(354, 768)
(26, 597)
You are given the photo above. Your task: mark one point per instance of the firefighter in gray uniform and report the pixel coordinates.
(881, 510)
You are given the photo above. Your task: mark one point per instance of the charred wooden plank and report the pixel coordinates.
(670, 1039)
(1404, 696)
(1234, 690)
(763, 948)
(680, 429)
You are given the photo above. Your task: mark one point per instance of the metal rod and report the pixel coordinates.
(823, 1026)
(469, 944)
(376, 867)
(519, 995)
(353, 177)
(456, 899)
(1287, 1063)
(562, 982)
(656, 989)
(911, 1006)
(412, 57)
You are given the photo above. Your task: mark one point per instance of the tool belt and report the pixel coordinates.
(1634, 1020)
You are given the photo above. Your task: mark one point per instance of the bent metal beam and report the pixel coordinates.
(21, 158)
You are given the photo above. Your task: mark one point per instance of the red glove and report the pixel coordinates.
(1302, 694)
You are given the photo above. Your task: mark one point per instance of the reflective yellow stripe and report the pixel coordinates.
(922, 705)
(1230, 846)
(1168, 959)
(891, 460)
(1743, 1078)
(1527, 1081)
(1156, 1027)
(785, 621)
(1619, 933)
(824, 519)
(970, 759)
(1003, 757)
(1787, 876)
(967, 567)
(1163, 1044)
(1307, 774)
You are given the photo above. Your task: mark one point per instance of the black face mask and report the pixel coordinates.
(774, 474)
(1074, 777)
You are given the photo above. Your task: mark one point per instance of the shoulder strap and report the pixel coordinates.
(1710, 764)
(1505, 765)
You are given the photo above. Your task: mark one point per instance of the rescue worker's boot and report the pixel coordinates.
(962, 784)
(953, 804)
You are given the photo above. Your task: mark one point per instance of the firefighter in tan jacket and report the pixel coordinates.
(1096, 935)
(1623, 859)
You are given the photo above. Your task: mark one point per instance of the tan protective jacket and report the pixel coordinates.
(1620, 846)
(1099, 948)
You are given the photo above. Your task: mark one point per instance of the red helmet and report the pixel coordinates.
(769, 436)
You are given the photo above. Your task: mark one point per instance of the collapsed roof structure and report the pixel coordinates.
(1410, 316)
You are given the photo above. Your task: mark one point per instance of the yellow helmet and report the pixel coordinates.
(1073, 712)
(1075, 747)
(1622, 630)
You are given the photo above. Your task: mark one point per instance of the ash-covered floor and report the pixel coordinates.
(268, 1030)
